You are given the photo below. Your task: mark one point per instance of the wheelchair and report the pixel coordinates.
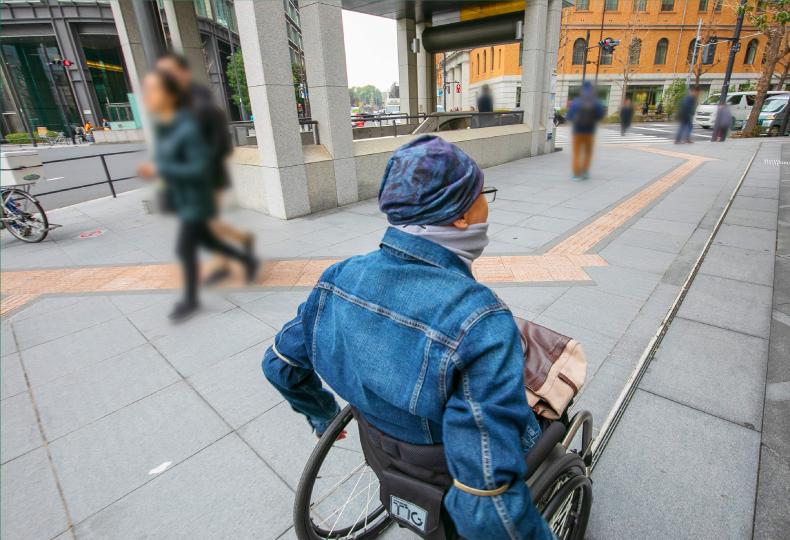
(338, 493)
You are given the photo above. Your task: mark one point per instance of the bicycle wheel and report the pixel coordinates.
(26, 219)
(338, 494)
(563, 494)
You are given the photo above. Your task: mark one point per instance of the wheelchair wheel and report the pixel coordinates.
(338, 494)
(563, 494)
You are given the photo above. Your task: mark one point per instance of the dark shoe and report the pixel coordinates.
(183, 311)
(252, 270)
(217, 276)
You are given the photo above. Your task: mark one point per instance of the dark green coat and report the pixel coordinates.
(183, 160)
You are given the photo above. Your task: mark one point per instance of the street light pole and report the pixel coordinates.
(694, 55)
(586, 50)
(600, 54)
(734, 48)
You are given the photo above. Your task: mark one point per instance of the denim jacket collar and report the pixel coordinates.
(423, 250)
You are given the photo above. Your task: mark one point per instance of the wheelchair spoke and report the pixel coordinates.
(334, 488)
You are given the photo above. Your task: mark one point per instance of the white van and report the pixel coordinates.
(739, 103)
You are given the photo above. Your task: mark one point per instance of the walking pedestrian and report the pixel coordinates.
(214, 127)
(645, 109)
(485, 103)
(184, 162)
(724, 122)
(685, 115)
(626, 115)
(584, 113)
(660, 107)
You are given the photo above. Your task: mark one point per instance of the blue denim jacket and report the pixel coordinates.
(428, 355)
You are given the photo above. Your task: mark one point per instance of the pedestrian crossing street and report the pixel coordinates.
(611, 136)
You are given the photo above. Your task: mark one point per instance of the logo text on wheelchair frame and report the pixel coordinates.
(408, 512)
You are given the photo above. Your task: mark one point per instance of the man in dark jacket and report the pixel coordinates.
(626, 115)
(485, 103)
(213, 125)
(688, 106)
(584, 113)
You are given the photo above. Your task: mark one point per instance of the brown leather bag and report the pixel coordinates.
(554, 368)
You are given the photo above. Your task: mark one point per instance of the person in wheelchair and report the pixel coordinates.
(423, 352)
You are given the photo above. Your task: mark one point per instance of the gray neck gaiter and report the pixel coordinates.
(467, 243)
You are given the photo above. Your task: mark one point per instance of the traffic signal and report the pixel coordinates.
(608, 44)
(61, 62)
(709, 53)
(457, 88)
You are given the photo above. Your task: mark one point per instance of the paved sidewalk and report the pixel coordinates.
(116, 424)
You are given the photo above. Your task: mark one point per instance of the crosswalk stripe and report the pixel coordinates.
(606, 136)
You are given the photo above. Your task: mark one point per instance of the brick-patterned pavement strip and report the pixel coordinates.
(563, 262)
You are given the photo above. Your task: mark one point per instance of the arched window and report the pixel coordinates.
(500, 58)
(478, 63)
(751, 52)
(492, 59)
(485, 63)
(606, 57)
(634, 51)
(661, 52)
(578, 52)
(690, 54)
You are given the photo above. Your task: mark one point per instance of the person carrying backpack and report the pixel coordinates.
(584, 113)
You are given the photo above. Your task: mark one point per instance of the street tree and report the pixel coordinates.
(240, 92)
(771, 18)
(627, 55)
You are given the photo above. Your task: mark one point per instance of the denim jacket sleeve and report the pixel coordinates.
(287, 366)
(482, 427)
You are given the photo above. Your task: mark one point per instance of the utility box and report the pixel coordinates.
(20, 168)
(709, 54)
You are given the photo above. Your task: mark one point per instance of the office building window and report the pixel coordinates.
(751, 52)
(667, 5)
(582, 5)
(640, 5)
(579, 47)
(611, 5)
(690, 54)
(703, 5)
(661, 52)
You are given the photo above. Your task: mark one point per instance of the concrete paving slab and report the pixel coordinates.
(663, 447)
(236, 387)
(227, 475)
(730, 304)
(19, 427)
(595, 310)
(671, 243)
(603, 388)
(633, 343)
(59, 357)
(108, 459)
(640, 258)
(627, 282)
(740, 264)
(779, 364)
(746, 238)
(277, 308)
(61, 322)
(717, 371)
(533, 299)
(523, 237)
(29, 500)
(12, 376)
(772, 510)
(228, 333)
(240, 297)
(776, 435)
(665, 226)
(152, 321)
(7, 341)
(129, 303)
(75, 400)
(751, 218)
(45, 305)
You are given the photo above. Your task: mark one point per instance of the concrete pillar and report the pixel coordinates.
(407, 67)
(262, 33)
(426, 75)
(134, 56)
(465, 66)
(532, 70)
(185, 37)
(325, 58)
(552, 44)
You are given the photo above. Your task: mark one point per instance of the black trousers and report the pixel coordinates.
(192, 235)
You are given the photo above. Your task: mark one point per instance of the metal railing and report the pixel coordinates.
(108, 179)
(477, 119)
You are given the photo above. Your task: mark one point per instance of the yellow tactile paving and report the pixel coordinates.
(564, 262)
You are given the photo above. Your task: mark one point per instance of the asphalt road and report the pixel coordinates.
(88, 169)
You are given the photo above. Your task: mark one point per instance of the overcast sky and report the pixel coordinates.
(371, 50)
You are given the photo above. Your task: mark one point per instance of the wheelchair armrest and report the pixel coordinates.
(543, 447)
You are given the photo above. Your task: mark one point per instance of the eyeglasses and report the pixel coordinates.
(490, 194)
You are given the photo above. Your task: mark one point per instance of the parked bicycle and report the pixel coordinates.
(23, 216)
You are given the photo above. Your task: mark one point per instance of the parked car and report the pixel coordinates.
(739, 103)
(772, 113)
